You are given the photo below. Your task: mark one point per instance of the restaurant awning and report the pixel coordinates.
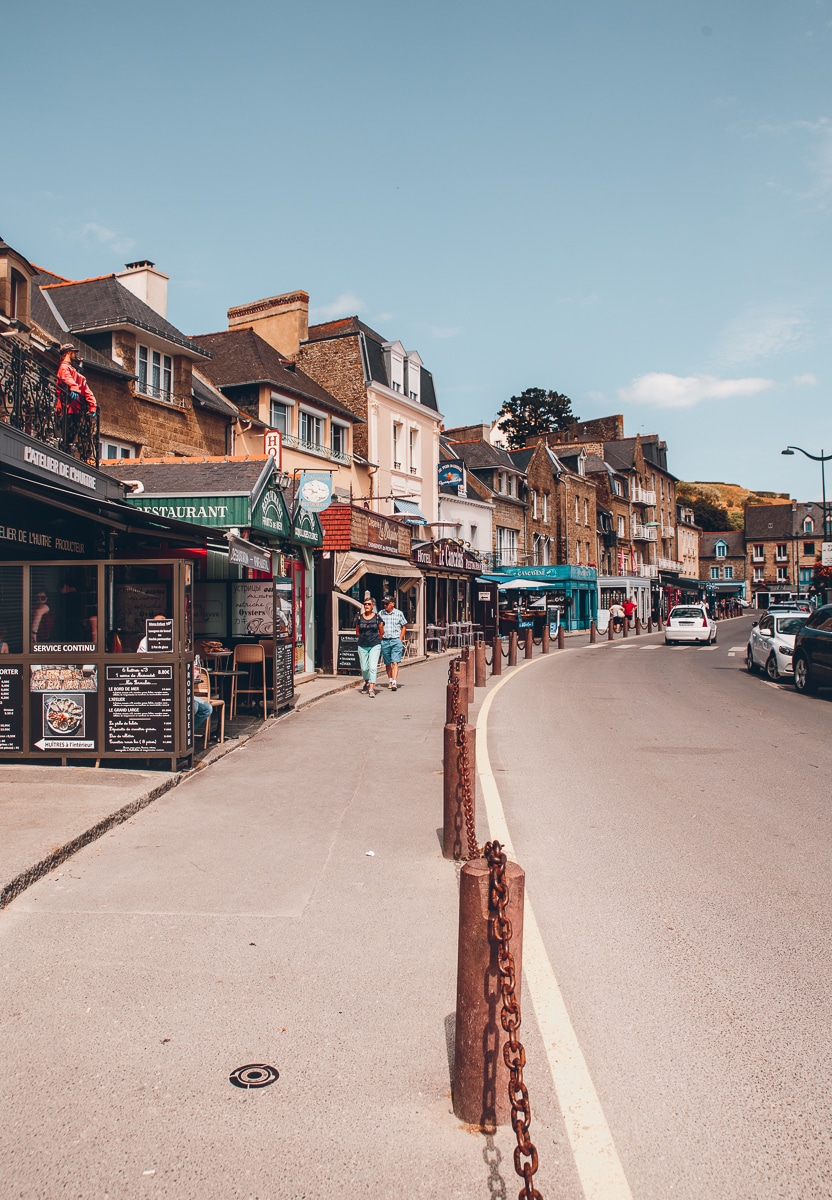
(411, 512)
(529, 585)
(352, 565)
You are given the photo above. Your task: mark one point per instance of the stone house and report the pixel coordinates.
(506, 487)
(722, 562)
(782, 544)
(614, 544)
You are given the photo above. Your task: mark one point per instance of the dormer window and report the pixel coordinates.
(18, 298)
(721, 549)
(808, 525)
(413, 376)
(155, 374)
(394, 360)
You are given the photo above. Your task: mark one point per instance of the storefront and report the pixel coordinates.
(615, 589)
(83, 579)
(449, 570)
(364, 552)
(571, 589)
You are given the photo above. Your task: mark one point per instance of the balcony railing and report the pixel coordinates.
(647, 571)
(668, 531)
(500, 558)
(669, 564)
(640, 495)
(32, 400)
(316, 448)
(644, 533)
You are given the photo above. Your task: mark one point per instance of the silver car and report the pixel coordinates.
(771, 643)
(689, 623)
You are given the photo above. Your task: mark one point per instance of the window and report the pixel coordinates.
(545, 506)
(578, 553)
(621, 527)
(502, 482)
(720, 549)
(338, 439)
(808, 525)
(577, 510)
(507, 546)
(110, 449)
(534, 507)
(714, 572)
(512, 485)
(586, 512)
(661, 487)
(473, 537)
(807, 574)
(616, 487)
(782, 575)
(414, 452)
(155, 374)
(759, 574)
(397, 462)
(782, 550)
(311, 429)
(809, 548)
(729, 573)
(759, 552)
(279, 416)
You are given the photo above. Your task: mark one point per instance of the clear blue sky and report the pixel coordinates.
(626, 200)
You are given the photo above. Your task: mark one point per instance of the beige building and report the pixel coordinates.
(687, 542)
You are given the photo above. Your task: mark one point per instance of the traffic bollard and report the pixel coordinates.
(454, 840)
(659, 621)
(638, 625)
(626, 626)
(610, 629)
(528, 649)
(468, 666)
(497, 656)
(593, 633)
(545, 638)
(481, 1077)
(462, 701)
(650, 623)
(512, 648)
(480, 676)
(561, 637)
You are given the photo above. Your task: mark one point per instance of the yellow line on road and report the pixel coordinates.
(596, 1158)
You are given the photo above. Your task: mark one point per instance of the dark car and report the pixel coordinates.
(813, 652)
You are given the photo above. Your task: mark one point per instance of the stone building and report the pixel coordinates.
(782, 544)
(505, 481)
(722, 563)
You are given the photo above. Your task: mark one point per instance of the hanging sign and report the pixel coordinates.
(315, 490)
(450, 474)
(273, 445)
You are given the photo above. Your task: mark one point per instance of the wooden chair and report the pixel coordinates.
(249, 656)
(202, 688)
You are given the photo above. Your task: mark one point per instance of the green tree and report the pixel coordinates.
(534, 411)
(713, 518)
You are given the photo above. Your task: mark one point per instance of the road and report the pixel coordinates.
(672, 814)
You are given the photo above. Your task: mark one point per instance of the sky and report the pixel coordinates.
(627, 201)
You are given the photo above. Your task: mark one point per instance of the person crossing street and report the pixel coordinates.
(394, 624)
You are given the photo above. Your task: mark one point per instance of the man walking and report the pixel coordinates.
(394, 623)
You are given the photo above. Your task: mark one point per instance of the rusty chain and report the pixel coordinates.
(467, 795)
(514, 1053)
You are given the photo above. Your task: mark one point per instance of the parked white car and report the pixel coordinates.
(771, 643)
(689, 623)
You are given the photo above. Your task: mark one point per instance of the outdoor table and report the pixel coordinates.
(225, 676)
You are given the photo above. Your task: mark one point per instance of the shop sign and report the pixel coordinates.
(382, 534)
(68, 469)
(245, 554)
(159, 635)
(284, 679)
(348, 663)
(273, 445)
(64, 707)
(315, 490)
(447, 556)
(270, 514)
(43, 541)
(252, 609)
(450, 474)
(139, 707)
(11, 708)
(306, 528)
(826, 554)
(215, 511)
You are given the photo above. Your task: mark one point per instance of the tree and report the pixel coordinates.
(709, 516)
(534, 411)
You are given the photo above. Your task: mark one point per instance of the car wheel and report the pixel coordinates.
(713, 639)
(750, 664)
(771, 668)
(803, 680)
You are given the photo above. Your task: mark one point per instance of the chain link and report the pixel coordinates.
(514, 1055)
(467, 794)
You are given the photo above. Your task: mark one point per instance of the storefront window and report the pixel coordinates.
(63, 607)
(11, 610)
(134, 594)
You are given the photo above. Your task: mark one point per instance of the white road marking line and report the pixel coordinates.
(596, 1158)
(738, 650)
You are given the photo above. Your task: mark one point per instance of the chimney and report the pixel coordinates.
(282, 321)
(143, 280)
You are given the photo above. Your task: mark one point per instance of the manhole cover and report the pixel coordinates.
(254, 1075)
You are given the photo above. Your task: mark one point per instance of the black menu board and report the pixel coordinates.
(159, 635)
(348, 663)
(284, 677)
(139, 707)
(11, 708)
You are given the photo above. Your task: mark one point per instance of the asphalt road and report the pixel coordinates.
(672, 814)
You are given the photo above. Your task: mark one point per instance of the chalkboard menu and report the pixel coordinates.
(11, 708)
(348, 663)
(159, 635)
(284, 679)
(139, 707)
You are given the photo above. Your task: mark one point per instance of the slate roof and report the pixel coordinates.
(241, 357)
(45, 316)
(193, 476)
(734, 539)
(521, 458)
(90, 304)
(372, 344)
(766, 521)
(207, 396)
(483, 456)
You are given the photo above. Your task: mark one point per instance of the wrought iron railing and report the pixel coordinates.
(317, 448)
(33, 401)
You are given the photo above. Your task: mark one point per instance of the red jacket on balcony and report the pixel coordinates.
(75, 384)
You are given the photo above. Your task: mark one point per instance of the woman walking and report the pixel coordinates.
(368, 630)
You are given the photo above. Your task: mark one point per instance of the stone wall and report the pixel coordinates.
(336, 365)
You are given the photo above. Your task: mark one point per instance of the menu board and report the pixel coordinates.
(11, 708)
(159, 635)
(284, 681)
(348, 663)
(63, 707)
(139, 708)
(252, 608)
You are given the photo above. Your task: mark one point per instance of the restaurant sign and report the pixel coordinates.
(270, 514)
(446, 555)
(306, 528)
(244, 554)
(217, 511)
(382, 534)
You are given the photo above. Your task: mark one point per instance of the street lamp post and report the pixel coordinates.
(821, 458)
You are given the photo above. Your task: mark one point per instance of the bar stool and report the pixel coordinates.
(202, 688)
(249, 656)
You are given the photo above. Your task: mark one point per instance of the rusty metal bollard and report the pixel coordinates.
(659, 621)
(593, 633)
(450, 716)
(561, 637)
(481, 1076)
(638, 625)
(528, 648)
(649, 622)
(480, 674)
(610, 629)
(468, 661)
(626, 626)
(454, 841)
(497, 656)
(512, 648)
(545, 638)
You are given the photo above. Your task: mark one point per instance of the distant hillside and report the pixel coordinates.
(728, 496)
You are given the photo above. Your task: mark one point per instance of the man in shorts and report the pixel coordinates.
(394, 624)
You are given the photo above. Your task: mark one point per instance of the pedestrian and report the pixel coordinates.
(629, 609)
(617, 617)
(368, 630)
(394, 624)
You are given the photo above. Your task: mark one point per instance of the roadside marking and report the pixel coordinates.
(596, 1158)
